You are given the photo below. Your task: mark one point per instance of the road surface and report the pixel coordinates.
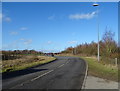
(63, 73)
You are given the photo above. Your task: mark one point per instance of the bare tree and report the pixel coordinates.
(110, 44)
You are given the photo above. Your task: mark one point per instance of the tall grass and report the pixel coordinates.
(24, 62)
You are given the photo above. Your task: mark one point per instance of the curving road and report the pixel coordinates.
(64, 73)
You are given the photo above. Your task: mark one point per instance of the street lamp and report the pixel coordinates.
(96, 5)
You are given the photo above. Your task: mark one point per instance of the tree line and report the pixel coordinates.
(108, 47)
(7, 55)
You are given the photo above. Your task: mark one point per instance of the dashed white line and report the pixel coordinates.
(42, 75)
(33, 79)
(61, 65)
(47, 72)
(67, 62)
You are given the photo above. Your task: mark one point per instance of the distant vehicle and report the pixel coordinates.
(49, 54)
(52, 55)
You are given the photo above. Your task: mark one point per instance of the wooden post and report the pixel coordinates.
(116, 62)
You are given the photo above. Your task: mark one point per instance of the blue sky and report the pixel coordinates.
(52, 27)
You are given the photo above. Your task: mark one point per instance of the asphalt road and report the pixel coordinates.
(64, 73)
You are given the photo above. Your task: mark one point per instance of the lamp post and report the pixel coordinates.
(96, 5)
(74, 51)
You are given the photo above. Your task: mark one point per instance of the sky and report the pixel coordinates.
(52, 27)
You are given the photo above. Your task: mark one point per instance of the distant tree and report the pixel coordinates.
(110, 46)
(68, 50)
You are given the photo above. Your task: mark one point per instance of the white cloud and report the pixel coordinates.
(49, 50)
(22, 39)
(72, 42)
(51, 17)
(27, 42)
(13, 33)
(82, 16)
(4, 18)
(49, 42)
(12, 45)
(7, 19)
(23, 28)
(16, 44)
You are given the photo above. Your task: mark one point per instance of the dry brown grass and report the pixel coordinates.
(24, 62)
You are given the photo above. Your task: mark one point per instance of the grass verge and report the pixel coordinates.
(25, 62)
(100, 70)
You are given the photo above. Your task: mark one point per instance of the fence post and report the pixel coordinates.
(116, 62)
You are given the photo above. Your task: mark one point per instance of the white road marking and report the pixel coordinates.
(33, 79)
(67, 62)
(61, 65)
(42, 75)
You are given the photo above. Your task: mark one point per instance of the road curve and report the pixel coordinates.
(64, 73)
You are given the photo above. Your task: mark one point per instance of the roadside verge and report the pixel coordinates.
(99, 70)
(24, 63)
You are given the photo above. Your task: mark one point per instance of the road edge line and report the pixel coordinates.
(85, 78)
